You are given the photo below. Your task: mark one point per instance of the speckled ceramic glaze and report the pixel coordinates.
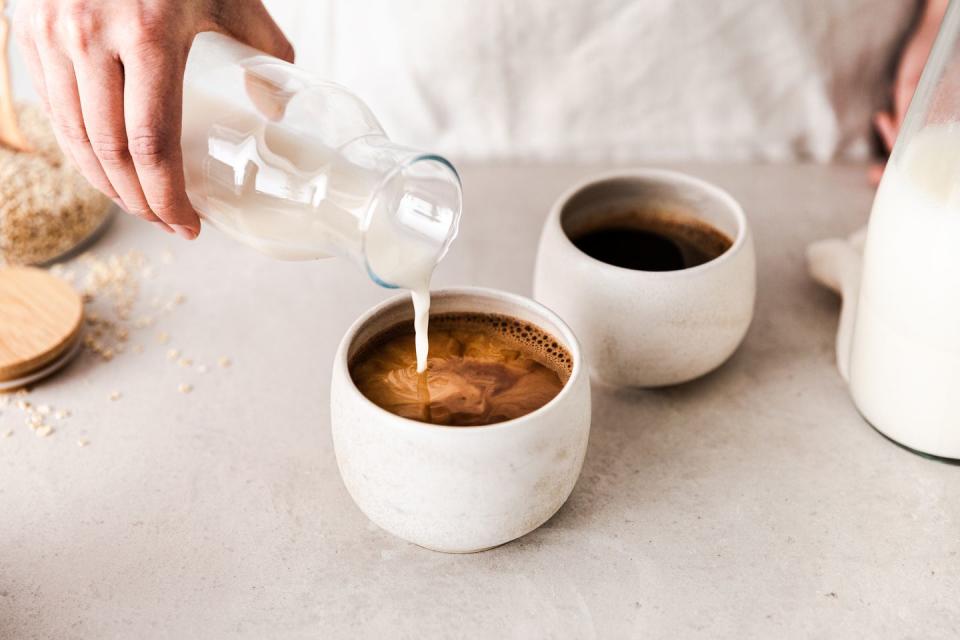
(643, 328)
(459, 489)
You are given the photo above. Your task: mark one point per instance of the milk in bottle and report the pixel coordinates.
(905, 361)
(300, 169)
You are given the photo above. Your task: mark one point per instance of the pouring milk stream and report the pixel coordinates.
(300, 169)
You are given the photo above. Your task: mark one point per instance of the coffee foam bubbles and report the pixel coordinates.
(540, 344)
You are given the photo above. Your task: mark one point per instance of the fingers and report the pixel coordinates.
(250, 22)
(875, 173)
(902, 96)
(100, 83)
(887, 128)
(153, 104)
(81, 83)
(66, 116)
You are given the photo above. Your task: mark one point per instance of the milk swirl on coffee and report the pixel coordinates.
(482, 369)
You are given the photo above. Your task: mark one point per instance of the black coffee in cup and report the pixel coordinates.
(649, 239)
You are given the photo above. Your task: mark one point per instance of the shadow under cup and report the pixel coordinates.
(459, 489)
(649, 328)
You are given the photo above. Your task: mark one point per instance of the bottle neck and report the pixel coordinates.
(413, 214)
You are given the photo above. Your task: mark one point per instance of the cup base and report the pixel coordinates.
(458, 552)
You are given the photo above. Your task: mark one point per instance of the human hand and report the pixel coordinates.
(110, 76)
(911, 64)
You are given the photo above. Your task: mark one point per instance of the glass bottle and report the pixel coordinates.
(905, 354)
(300, 169)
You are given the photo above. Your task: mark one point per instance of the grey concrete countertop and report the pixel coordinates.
(753, 503)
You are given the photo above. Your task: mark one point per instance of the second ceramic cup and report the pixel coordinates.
(648, 328)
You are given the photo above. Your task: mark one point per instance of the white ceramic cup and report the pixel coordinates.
(646, 328)
(459, 489)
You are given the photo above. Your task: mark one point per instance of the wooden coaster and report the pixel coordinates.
(40, 320)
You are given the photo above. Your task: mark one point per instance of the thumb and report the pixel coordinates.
(249, 22)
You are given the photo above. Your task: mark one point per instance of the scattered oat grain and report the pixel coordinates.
(185, 387)
(82, 442)
(115, 395)
(163, 337)
(44, 430)
(173, 354)
(224, 362)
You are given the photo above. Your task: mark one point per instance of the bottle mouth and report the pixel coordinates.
(412, 220)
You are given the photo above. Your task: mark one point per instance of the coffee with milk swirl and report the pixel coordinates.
(482, 369)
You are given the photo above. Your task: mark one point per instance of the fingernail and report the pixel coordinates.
(184, 232)
(161, 225)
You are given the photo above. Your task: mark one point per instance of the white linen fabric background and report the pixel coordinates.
(622, 80)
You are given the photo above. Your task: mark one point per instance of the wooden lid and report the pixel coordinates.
(40, 318)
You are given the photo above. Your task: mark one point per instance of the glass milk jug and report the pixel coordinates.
(905, 353)
(300, 169)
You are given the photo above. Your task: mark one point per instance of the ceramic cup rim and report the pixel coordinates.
(479, 294)
(662, 176)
